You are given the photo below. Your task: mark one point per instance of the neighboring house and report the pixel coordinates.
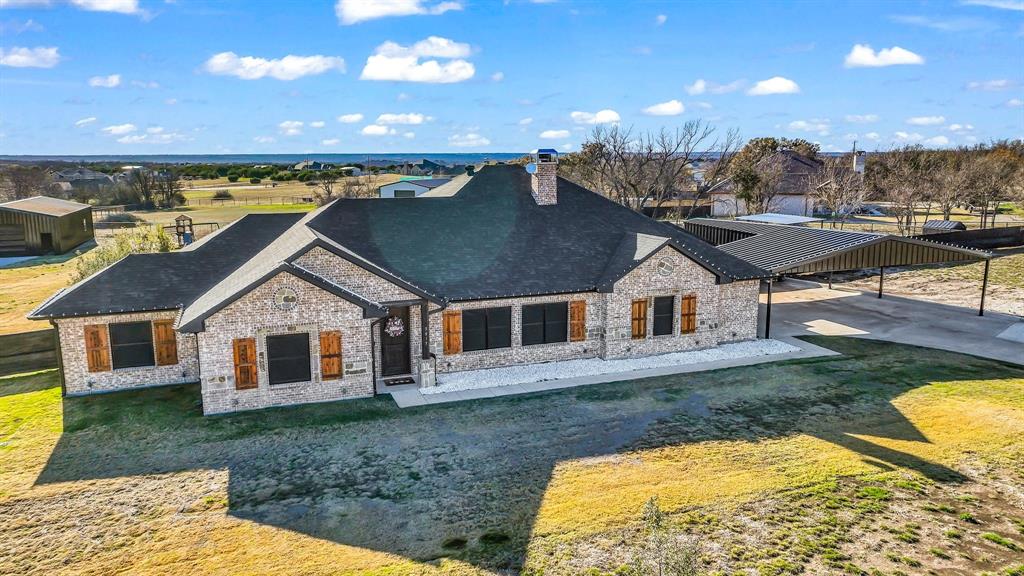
(312, 166)
(41, 225)
(513, 269)
(81, 178)
(792, 195)
(351, 170)
(411, 188)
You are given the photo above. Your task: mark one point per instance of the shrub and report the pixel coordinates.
(232, 177)
(223, 195)
(254, 180)
(121, 217)
(135, 241)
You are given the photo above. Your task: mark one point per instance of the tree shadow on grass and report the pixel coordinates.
(466, 480)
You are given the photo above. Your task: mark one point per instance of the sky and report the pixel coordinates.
(347, 76)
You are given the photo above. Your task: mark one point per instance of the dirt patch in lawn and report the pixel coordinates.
(141, 482)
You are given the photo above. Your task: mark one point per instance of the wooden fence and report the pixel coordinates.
(250, 200)
(27, 351)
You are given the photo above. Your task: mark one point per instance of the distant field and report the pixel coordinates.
(202, 189)
(219, 214)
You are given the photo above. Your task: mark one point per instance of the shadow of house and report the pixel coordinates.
(467, 479)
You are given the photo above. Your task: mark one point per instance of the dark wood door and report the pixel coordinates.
(394, 343)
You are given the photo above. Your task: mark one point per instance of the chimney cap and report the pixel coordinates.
(547, 155)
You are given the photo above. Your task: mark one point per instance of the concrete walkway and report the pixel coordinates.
(800, 307)
(409, 395)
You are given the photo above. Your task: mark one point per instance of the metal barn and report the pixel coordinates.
(43, 225)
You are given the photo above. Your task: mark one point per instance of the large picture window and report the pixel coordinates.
(131, 344)
(288, 358)
(545, 323)
(486, 328)
(663, 315)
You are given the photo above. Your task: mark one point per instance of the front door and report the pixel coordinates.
(46, 242)
(394, 343)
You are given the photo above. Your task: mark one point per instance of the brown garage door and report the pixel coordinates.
(12, 239)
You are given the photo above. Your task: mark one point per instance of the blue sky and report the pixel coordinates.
(233, 76)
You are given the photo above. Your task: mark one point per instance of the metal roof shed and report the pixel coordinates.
(41, 224)
(785, 249)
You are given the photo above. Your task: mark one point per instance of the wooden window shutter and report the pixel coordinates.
(688, 314)
(245, 363)
(577, 320)
(97, 350)
(330, 355)
(452, 327)
(165, 341)
(639, 319)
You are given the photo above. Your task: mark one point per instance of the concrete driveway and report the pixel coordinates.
(800, 307)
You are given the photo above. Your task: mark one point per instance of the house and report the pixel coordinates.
(351, 170)
(513, 268)
(41, 225)
(80, 178)
(411, 188)
(792, 194)
(312, 166)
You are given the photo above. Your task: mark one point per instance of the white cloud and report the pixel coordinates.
(155, 130)
(119, 6)
(330, 141)
(819, 126)
(412, 118)
(145, 85)
(660, 19)
(38, 57)
(926, 120)
(290, 127)
(288, 68)
(670, 108)
(317, 124)
(863, 56)
(554, 134)
(85, 121)
(937, 141)
(908, 136)
(943, 24)
(861, 118)
(1014, 103)
(874, 136)
(606, 116)
(701, 86)
(497, 77)
(774, 85)
(171, 101)
(112, 81)
(350, 118)
(469, 140)
(525, 121)
(394, 62)
(16, 27)
(408, 135)
(377, 130)
(402, 97)
(119, 129)
(960, 127)
(158, 138)
(990, 85)
(264, 139)
(355, 11)
(999, 4)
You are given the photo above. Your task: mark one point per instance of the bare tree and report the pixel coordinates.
(332, 187)
(646, 169)
(143, 183)
(168, 189)
(957, 176)
(24, 181)
(757, 185)
(837, 187)
(996, 177)
(903, 176)
(326, 182)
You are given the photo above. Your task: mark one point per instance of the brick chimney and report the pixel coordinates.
(544, 179)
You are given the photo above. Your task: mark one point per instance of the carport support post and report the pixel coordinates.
(881, 279)
(829, 279)
(768, 312)
(984, 288)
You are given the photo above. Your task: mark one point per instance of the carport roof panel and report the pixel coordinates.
(44, 205)
(780, 248)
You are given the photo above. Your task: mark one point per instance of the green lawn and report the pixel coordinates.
(866, 461)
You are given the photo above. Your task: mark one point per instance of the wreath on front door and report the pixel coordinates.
(394, 327)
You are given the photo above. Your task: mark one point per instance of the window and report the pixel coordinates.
(545, 323)
(688, 314)
(288, 358)
(639, 317)
(663, 315)
(486, 328)
(405, 193)
(131, 344)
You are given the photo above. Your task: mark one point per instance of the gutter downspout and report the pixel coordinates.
(60, 358)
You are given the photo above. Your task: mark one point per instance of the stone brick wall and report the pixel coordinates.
(79, 380)
(544, 183)
(737, 313)
(255, 316)
(346, 274)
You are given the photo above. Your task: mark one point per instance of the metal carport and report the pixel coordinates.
(783, 249)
